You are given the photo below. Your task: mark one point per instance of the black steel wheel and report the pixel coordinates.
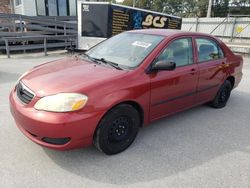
(117, 130)
(222, 96)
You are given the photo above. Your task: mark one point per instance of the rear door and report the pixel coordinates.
(212, 68)
(172, 91)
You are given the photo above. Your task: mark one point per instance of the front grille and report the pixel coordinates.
(24, 93)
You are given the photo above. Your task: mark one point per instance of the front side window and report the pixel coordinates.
(180, 51)
(208, 50)
(126, 49)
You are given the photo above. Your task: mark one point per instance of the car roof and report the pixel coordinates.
(168, 32)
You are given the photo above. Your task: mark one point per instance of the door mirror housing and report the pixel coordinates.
(163, 65)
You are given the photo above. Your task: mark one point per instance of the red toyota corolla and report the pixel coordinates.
(105, 95)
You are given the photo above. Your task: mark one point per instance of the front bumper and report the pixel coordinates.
(76, 129)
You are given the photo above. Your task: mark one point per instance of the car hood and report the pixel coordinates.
(68, 75)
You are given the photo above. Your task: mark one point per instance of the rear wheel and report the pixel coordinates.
(222, 96)
(117, 130)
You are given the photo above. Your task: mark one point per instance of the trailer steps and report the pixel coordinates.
(21, 33)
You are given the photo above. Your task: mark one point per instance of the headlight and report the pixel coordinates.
(62, 102)
(24, 74)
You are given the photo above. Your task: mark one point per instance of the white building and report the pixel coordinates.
(44, 7)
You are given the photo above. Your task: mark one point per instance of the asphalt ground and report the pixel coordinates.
(201, 147)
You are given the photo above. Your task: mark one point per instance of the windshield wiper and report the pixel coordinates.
(91, 58)
(115, 65)
(95, 60)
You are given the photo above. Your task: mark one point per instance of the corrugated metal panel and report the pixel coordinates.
(226, 29)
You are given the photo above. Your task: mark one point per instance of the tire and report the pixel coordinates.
(222, 96)
(117, 129)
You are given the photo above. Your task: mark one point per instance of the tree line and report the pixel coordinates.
(193, 8)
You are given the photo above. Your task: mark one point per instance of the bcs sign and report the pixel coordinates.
(156, 21)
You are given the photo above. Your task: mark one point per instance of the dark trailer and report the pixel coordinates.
(101, 20)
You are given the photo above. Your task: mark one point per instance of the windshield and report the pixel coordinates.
(126, 49)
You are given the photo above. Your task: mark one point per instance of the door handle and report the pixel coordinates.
(193, 70)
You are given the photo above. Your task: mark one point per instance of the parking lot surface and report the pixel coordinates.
(201, 147)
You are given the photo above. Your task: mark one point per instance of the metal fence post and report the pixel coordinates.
(55, 25)
(196, 24)
(7, 47)
(24, 43)
(225, 27)
(45, 46)
(14, 24)
(56, 29)
(232, 33)
(21, 23)
(64, 28)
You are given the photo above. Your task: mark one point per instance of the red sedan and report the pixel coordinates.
(104, 96)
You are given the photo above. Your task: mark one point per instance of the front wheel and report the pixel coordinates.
(222, 96)
(117, 129)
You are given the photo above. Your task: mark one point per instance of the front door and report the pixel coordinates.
(173, 91)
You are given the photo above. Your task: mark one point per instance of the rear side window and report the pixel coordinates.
(180, 51)
(208, 50)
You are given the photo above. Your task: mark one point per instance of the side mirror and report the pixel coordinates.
(164, 65)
